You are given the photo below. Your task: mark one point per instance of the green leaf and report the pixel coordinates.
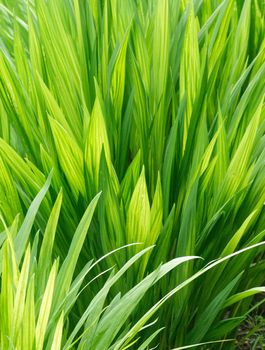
(66, 272)
(57, 339)
(139, 214)
(45, 308)
(21, 239)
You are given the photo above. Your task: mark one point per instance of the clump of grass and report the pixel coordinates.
(251, 334)
(159, 105)
(40, 296)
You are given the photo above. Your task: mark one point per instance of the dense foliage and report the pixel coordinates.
(141, 122)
